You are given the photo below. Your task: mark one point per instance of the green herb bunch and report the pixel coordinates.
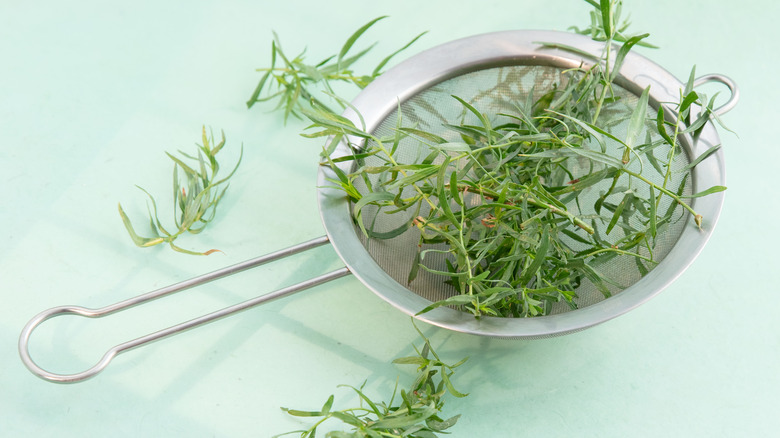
(507, 197)
(412, 413)
(196, 196)
(296, 83)
(503, 202)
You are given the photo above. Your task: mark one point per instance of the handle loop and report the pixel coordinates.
(729, 83)
(24, 337)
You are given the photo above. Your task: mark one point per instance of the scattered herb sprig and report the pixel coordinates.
(296, 84)
(411, 413)
(195, 198)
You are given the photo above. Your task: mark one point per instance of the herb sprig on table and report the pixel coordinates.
(195, 198)
(297, 85)
(413, 413)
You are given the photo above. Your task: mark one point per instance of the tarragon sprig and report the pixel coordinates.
(196, 196)
(411, 413)
(296, 84)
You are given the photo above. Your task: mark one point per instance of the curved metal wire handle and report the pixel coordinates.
(24, 338)
(729, 83)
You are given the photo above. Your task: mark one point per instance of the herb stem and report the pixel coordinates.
(606, 83)
(619, 251)
(469, 268)
(491, 194)
(663, 190)
(672, 151)
(553, 209)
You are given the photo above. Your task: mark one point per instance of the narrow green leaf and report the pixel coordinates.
(618, 212)
(454, 193)
(414, 177)
(661, 127)
(654, 162)
(641, 266)
(446, 379)
(297, 413)
(481, 117)
(623, 52)
(607, 17)
(637, 123)
(372, 198)
(701, 157)
(709, 191)
(354, 37)
(411, 360)
(452, 147)
(343, 66)
(395, 232)
(455, 300)
(583, 53)
(442, 192)
(347, 418)
(406, 420)
(255, 97)
(187, 169)
(588, 180)
(310, 71)
(688, 100)
(433, 138)
(415, 266)
(538, 258)
(336, 122)
(387, 59)
(597, 278)
(690, 82)
(440, 426)
(576, 236)
(341, 434)
(653, 214)
(138, 240)
(600, 157)
(365, 398)
(326, 407)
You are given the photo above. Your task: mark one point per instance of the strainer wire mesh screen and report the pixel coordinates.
(498, 91)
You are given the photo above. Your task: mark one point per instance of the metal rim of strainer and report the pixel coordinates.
(479, 52)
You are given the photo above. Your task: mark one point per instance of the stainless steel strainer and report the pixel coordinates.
(490, 71)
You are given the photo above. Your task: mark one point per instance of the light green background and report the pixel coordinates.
(92, 93)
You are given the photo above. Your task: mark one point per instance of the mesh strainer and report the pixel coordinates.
(490, 71)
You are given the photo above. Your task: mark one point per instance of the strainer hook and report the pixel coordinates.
(728, 82)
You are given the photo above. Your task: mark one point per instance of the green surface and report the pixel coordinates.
(91, 94)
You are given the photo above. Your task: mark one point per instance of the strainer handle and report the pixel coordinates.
(24, 338)
(729, 83)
